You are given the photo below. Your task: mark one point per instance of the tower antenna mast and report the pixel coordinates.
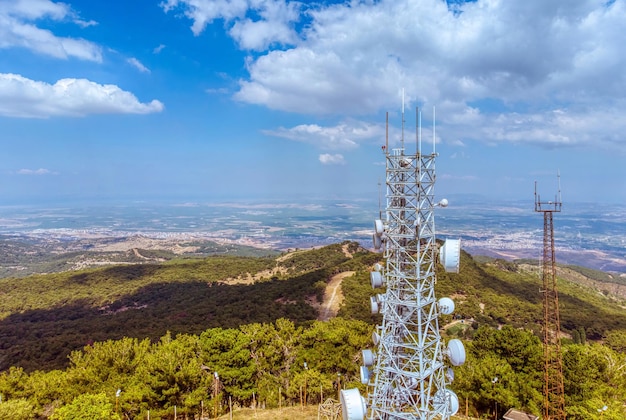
(408, 372)
(553, 388)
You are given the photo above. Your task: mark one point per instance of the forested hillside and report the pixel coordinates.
(159, 332)
(44, 317)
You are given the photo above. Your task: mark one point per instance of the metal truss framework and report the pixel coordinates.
(553, 388)
(409, 380)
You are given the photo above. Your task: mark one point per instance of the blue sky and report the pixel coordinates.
(272, 98)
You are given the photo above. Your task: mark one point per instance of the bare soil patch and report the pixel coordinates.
(333, 297)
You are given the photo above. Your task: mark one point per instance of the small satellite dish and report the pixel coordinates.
(368, 357)
(353, 406)
(446, 305)
(450, 375)
(365, 375)
(447, 397)
(379, 227)
(376, 279)
(454, 402)
(373, 305)
(404, 162)
(375, 338)
(380, 298)
(443, 202)
(450, 255)
(378, 267)
(456, 352)
(378, 242)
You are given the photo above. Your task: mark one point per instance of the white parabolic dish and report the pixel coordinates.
(449, 398)
(378, 242)
(353, 405)
(373, 305)
(365, 375)
(376, 279)
(450, 255)
(456, 352)
(368, 357)
(379, 227)
(446, 305)
(454, 402)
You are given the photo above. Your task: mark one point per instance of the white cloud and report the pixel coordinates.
(351, 58)
(85, 23)
(459, 177)
(40, 171)
(459, 155)
(22, 97)
(35, 9)
(521, 51)
(551, 128)
(158, 49)
(17, 29)
(137, 64)
(216, 91)
(344, 136)
(272, 24)
(328, 159)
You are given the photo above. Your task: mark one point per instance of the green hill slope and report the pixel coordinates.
(504, 293)
(44, 317)
(158, 331)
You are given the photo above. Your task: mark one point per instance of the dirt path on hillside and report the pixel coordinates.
(333, 296)
(345, 251)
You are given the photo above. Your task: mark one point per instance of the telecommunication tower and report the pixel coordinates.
(553, 389)
(409, 374)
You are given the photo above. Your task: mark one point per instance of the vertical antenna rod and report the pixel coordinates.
(434, 134)
(402, 139)
(387, 133)
(419, 137)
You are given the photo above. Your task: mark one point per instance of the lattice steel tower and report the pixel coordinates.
(553, 389)
(408, 376)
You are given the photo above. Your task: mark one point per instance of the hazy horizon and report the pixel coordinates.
(591, 234)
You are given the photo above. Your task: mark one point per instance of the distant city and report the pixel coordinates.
(589, 235)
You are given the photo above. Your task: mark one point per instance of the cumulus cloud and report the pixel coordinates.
(518, 52)
(22, 97)
(18, 29)
(459, 177)
(328, 159)
(138, 65)
(254, 24)
(556, 127)
(344, 136)
(85, 23)
(350, 59)
(40, 171)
